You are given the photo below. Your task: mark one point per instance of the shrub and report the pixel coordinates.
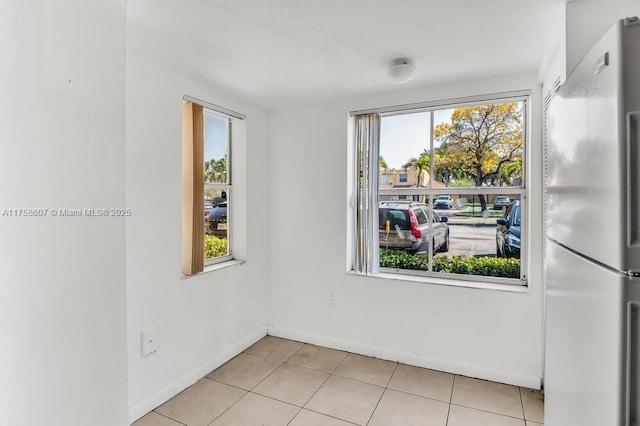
(400, 259)
(485, 266)
(214, 247)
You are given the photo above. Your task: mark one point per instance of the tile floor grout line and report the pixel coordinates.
(419, 396)
(392, 374)
(317, 390)
(294, 417)
(228, 408)
(272, 358)
(166, 417)
(360, 381)
(297, 350)
(333, 372)
(267, 376)
(386, 387)
(333, 417)
(227, 384)
(307, 368)
(487, 411)
(376, 407)
(453, 384)
(522, 404)
(276, 399)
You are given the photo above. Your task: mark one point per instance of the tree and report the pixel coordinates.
(420, 164)
(382, 164)
(483, 143)
(215, 170)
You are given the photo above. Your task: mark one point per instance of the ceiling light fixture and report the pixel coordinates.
(402, 70)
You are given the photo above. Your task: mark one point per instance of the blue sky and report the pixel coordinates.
(216, 136)
(407, 135)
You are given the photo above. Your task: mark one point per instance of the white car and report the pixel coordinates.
(443, 202)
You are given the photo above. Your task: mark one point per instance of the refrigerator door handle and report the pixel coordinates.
(633, 179)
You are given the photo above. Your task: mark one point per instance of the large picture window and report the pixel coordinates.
(446, 195)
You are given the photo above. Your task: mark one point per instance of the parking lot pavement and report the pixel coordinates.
(468, 240)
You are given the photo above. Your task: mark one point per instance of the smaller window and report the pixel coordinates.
(207, 186)
(403, 177)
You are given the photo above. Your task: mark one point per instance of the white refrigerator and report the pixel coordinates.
(592, 264)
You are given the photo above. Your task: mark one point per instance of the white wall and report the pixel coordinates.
(199, 322)
(62, 292)
(490, 334)
(588, 20)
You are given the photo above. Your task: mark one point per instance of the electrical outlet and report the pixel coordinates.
(149, 345)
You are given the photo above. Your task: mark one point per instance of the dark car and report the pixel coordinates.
(208, 205)
(216, 222)
(405, 225)
(508, 232)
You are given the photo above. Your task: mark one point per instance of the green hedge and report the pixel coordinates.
(486, 266)
(214, 247)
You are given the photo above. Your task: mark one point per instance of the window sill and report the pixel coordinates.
(216, 267)
(511, 288)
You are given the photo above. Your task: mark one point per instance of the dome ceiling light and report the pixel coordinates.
(402, 70)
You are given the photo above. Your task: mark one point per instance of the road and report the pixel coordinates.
(471, 240)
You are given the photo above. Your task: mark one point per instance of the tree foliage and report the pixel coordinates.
(483, 143)
(215, 170)
(420, 164)
(382, 163)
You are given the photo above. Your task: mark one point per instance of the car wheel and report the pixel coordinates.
(445, 245)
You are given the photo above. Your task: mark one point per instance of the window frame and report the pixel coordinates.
(193, 259)
(432, 193)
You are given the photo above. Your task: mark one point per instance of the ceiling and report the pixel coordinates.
(283, 52)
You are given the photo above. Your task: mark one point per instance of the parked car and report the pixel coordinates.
(405, 225)
(501, 202)
(508, 232)
(208, 206)
(443, 202)
(216, 222)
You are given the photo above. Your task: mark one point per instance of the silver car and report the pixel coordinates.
(406, 225)
(501, 202)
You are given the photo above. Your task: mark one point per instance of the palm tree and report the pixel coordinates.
(420, 164)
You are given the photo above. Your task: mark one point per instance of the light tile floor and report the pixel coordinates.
(279, 382)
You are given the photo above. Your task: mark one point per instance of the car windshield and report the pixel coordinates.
(516, 215)
(395, 217)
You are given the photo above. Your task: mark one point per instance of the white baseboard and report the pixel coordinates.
(479, 372)
(172, 389)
